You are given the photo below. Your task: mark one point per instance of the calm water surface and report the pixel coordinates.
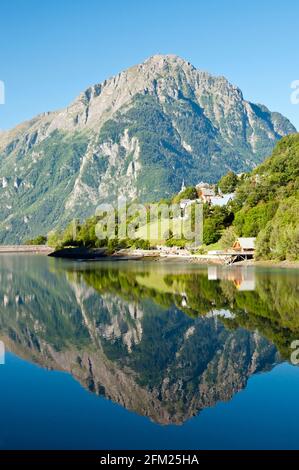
(147, 355)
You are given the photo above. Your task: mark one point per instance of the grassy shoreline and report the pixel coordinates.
(84, 254)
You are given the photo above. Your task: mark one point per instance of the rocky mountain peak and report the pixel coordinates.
(137, 134)
(160, 75)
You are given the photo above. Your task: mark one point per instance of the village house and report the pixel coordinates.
(205, 192)
(222, 199)
(206, 195)
(244, 245)
(202, 184)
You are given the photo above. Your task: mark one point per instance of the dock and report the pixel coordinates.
(229, 258)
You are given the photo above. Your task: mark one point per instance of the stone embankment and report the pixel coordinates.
(43, 249)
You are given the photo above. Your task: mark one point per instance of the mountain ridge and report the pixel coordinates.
(137, 134)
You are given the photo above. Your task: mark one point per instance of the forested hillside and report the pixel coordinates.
(267, 203)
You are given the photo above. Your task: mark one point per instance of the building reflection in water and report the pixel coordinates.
(243, 279)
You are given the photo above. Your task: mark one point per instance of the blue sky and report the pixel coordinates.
(51, 50)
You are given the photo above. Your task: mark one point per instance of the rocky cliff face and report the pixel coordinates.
(137, 134)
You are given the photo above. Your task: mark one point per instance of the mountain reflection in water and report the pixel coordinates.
(163, 340)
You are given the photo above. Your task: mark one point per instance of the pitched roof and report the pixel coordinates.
(222, 200)
(208, 192)
(247, 243)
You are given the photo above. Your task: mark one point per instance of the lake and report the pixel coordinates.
(147, 355)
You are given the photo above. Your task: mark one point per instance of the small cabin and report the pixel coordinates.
(245, 245)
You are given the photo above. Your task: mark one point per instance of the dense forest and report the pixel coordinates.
(267, 203)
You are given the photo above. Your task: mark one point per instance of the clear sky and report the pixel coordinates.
(51, 50)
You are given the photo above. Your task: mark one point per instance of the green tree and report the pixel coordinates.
(188, 193)
(228, 238)
(228, 183)
(39, 240)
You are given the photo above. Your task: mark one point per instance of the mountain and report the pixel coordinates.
(120, 334)
(138, 134)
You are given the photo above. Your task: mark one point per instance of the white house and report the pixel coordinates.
(222, 200)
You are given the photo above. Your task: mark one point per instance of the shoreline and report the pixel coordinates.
(100, 254)
(270, 264)
(35, 249)
(216, 262)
